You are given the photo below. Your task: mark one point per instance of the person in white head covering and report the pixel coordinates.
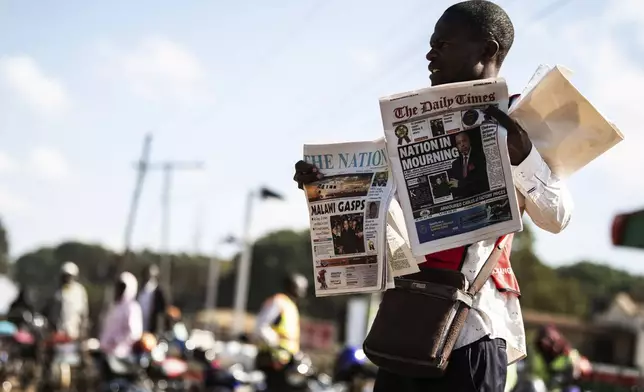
(123, 324)
(68, 310)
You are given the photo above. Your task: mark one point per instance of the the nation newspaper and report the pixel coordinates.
(450, 163)
(348, 213)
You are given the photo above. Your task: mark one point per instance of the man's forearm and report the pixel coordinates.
(548, 201)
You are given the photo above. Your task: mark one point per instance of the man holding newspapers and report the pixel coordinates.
(469, 43)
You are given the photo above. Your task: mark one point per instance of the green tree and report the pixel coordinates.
(274, 257)
(541, 287)
(600, 283)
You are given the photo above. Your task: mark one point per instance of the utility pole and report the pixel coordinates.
(141, 168)
(245, 260)
(168, 168)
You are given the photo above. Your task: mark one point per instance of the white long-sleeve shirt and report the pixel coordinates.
(123, 325)
(74, 309)
(549, 204)
(264, 332)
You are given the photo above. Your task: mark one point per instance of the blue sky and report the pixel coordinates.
(243, 85)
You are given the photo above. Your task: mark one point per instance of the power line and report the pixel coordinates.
(352, 93)
(550, 9)
(305, 21)
(367, 84)
(264, 60)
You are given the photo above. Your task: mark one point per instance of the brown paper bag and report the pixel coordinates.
(563, 125)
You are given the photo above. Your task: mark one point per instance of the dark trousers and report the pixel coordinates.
(478, 367)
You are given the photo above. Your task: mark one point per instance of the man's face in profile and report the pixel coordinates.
(463, 143)
(455, 55)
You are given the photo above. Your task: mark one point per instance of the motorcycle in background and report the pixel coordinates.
(354, 371)
(302, 376)
(526, 382)
(123, 374)
(20, 352)
(66, 370)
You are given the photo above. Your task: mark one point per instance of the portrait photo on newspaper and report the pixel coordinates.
(457, 177)
(348, 233)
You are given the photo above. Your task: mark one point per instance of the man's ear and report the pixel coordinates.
(491, 49)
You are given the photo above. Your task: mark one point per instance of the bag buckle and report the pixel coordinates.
(464, 297)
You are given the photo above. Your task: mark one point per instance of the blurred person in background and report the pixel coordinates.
(277, 332)
(153, 301)
(20, 305)
(511, 378)
(68, 310)
(564, 366)
(123, 324)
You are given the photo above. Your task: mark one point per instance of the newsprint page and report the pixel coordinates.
(450, 163)
(348, 213)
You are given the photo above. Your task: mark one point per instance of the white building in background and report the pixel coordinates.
(628, 315)
(9, 292)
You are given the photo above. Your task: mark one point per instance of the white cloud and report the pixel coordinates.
(159, 68)
(7, 164)
(28, 81)
(48, 163)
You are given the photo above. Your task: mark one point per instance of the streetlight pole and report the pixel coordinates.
(214, 272)
(165, 224)
(243, 269)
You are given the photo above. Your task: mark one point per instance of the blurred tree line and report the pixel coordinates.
(576, 289)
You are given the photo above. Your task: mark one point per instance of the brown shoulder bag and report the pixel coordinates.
(419, 320)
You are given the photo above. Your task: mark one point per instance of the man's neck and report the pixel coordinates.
(489, 71)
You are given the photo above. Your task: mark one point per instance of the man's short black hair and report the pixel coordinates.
(486, 19)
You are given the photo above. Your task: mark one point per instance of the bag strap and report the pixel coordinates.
(486, 271)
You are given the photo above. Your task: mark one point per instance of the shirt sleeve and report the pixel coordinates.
(266, 317)
(548, 201)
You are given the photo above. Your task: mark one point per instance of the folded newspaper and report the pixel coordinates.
(451, 165)
(563, 125)
(348, 212)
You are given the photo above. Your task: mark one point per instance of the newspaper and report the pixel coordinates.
(348, 211)
(450, 163)
(399, 254)
(566, 129)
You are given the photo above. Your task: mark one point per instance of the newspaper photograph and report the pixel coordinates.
(451, 165)
(348, 212)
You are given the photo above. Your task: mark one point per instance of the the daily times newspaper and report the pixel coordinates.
(450, 163)
(348, 213)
